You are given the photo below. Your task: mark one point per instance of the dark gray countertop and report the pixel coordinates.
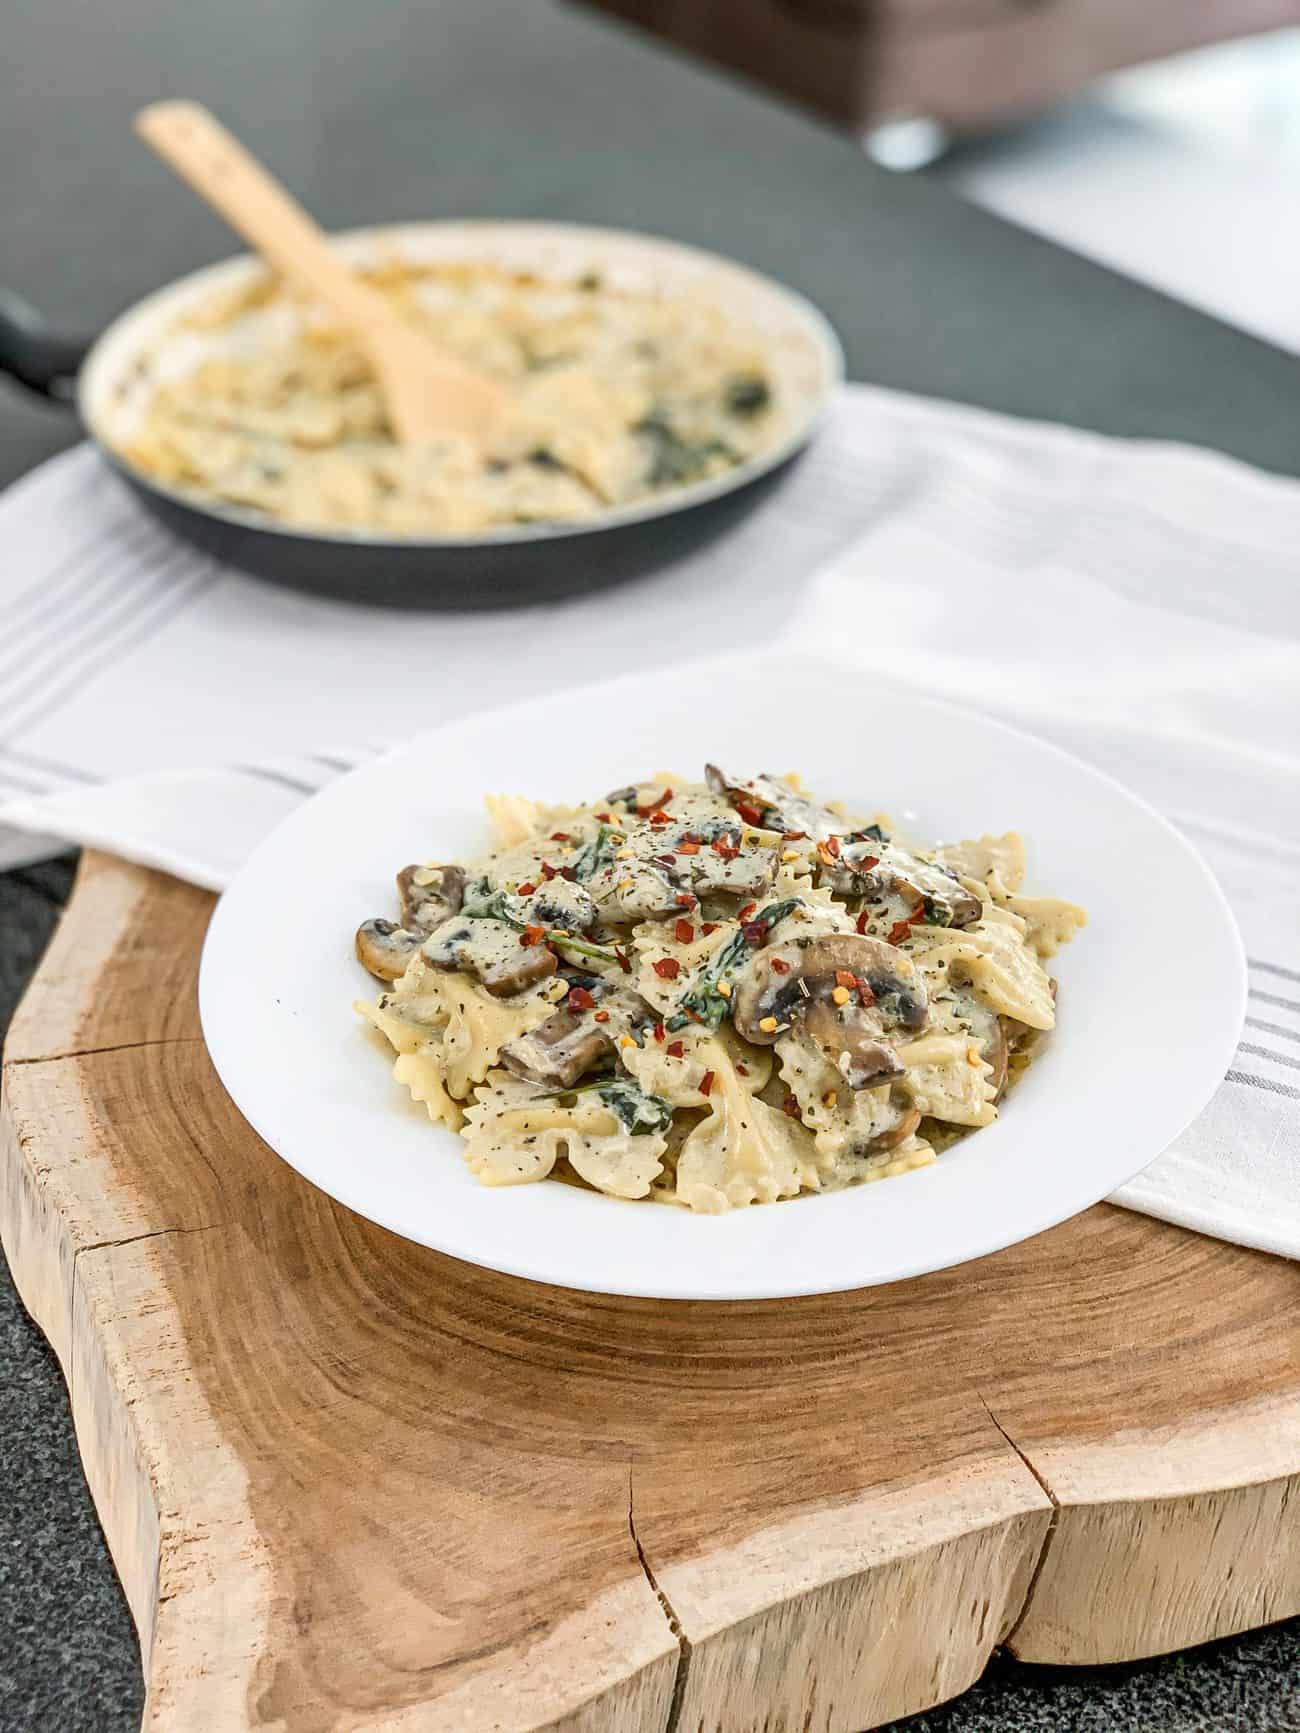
(518, 107)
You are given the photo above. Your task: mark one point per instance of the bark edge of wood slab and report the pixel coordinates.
(348, 1482)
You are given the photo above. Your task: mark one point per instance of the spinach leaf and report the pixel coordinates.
(703, 1003)
(593, 855)
(672, 459)
(635, 1109)
(745, 394)
(489, 903)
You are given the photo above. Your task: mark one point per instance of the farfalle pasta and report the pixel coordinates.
(712, 993)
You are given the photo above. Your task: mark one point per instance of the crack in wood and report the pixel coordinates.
(151, 1234)
(1041, 1560)
(117, 1047)
(674, 1623)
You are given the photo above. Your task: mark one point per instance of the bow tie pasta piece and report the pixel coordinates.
(514, 1134)
(995, 958)
(745, 1151)
(947, 1079)
(982, 856)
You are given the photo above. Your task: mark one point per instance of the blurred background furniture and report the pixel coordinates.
(968, 65)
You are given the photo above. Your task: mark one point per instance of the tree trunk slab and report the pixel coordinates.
(350, 1483)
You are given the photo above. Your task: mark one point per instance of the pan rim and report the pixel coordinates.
(102, 369)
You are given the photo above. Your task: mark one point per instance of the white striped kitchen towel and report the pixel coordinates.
(1138, 603)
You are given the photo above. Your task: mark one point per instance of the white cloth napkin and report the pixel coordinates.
(1138, 603)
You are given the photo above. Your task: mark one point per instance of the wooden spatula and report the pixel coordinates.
(427, 392)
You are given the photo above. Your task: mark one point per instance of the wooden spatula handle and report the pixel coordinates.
(225, 174)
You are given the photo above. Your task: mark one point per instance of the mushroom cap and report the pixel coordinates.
(385, 948)
(899, 870)
(796, 981)
(907, 1124)
(426, 906)
(899, 994)
(491, 951)
(782, 808)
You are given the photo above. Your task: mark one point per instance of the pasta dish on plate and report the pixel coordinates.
(713, 994)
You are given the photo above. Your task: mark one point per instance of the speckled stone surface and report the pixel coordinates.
(68, 1656)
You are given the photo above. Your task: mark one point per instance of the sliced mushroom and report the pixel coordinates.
(751, 873)
(634, 890)
(846, 1034)
(559, 1051)
(877, 870)
(560, 903)
(988, 1032)
(797, 981)
(385, 948)
(897, 1134)
(779, 807)
(492, 952)
(426, 905)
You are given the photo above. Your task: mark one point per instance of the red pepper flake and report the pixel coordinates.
(605, 817)
(725, 847)
(790, 1107)
(664, 860)
(861, 922)
(750, 813)
(833, 845)
(532, 935)
(674, 1049)
(601, 1016)
(706, 1082)
(690, 836)
(688, 848)
(667, 968)
(658, 1033)
(796, 836)
(743, 1069)
(526, 890)
(744, 914)
(900, 929)
(560, 836)
(754, 932)
(780, 967)
(620, 957)
(709, 927)
(846, 978)
(653, 806)
(570, 874)
(865, 864)
(864, 991)
(548, 871)
(580, 999)
(684, 932)
(658, 820)
(685, 900)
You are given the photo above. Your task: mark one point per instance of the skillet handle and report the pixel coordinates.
(38, 358)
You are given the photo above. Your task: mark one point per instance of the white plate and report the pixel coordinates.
(1151, 992)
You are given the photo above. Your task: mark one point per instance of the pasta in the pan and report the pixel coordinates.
(712, 994)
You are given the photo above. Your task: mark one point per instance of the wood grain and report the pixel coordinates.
(351, 1483)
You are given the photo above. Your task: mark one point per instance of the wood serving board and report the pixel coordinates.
(351, 1483)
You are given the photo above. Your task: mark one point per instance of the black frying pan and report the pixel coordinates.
(106, 381)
